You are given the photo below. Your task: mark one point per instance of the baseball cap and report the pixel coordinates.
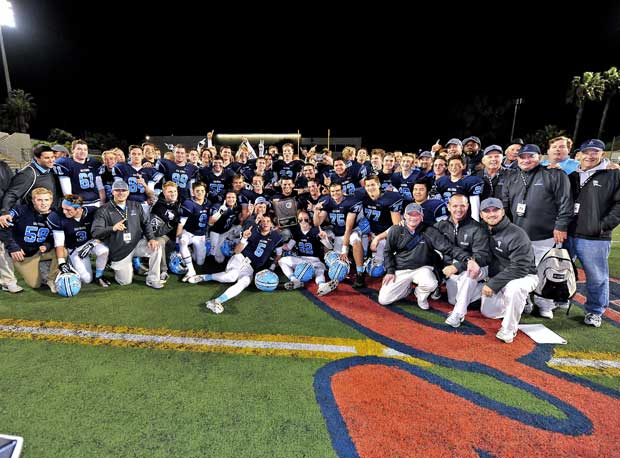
(425, 154)
(594, 144)
(454, 141)
(491, 202)
(413, 207)
(493, 148)
(473, 138)
(529, 149)
(261, 200)
(517, 141)
(60, 149)
(120, 185)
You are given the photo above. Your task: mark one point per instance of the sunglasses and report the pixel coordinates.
(301, 220)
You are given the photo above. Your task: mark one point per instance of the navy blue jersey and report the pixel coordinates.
(77, 233)
(268, 177)
(348, 182)
(28, 233)
(308, 244)
(252, 195)
(197, 216)
(287, 169)
(82, 177)
(245, 196)
(385, 179)
(107, 178)
(245, 170)
(337, 213)
(228, 219)
(379, 212)
(434, 210)
(217, 184)
(356, 171)
(260, 247)
(467, 186)
(182, 175)
(130, 175)
(404, 185)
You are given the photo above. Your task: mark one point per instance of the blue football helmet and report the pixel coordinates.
(304, 272)
(176, 264)
(266, 280)
(68, 284)
(227, 248)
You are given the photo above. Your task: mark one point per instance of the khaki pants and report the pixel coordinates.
(7, 276)
(29, 268)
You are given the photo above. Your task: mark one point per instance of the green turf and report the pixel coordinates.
(80, 401)
(606, 381)
(178, 306)
(498, 391)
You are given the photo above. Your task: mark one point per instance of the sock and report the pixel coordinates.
(99, 273)
(207, 277)
(223, 298)
(360, 269)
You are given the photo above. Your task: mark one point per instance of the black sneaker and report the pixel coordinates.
(100, 281)
(360, 281)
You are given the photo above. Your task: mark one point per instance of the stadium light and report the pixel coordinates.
(7, 18)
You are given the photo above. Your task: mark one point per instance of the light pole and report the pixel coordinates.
(8, 19)
(514, 117)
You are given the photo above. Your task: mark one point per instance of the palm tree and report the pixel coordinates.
(611, 80)
(588, 87)
(18, 110)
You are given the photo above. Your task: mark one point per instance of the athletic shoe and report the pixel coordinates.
(12, 288)
(215, 306)
(436, 295)
(505, 335)
(194, 279)
(546, 313)
(155, 284)
(360, 281)
(455, 319)
(52, 287)
(592, 319)
(293, 284)
(100, 281)
(423, 304)
(326, 288)
(529, 306)
(190, 273)
(163, 277)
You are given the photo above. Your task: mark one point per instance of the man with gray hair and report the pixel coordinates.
(409, 252)
(512, 271)
(538, 200)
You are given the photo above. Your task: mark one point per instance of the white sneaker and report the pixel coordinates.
(326, 288)
(52, 287)
(163, 277)
(505, 335)
(293, 284)
(592, 319)
(155, 284)
(546, 313)
(215, 306)
(423, 304)
(194, 279)
(455, 319)
(12, 288)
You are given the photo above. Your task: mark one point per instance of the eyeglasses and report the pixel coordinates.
(301, 220)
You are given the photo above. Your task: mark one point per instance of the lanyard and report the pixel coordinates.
(526, 185)
(120, 211)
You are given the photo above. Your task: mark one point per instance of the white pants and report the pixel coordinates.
(540, 249)
(378, 255)
(7, 274)
(509, 302)
(354, 238)
(239, 270)
(83, 267)
(288, 264)
(401, 286)
(463, 290)
(123, 269)
(198, 242)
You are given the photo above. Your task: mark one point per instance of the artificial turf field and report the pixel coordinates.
(287, 374)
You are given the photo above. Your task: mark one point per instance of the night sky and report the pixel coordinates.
(396, 79)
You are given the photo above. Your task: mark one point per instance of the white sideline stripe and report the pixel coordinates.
(179, 340)
(392, 352)
(574, 362)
